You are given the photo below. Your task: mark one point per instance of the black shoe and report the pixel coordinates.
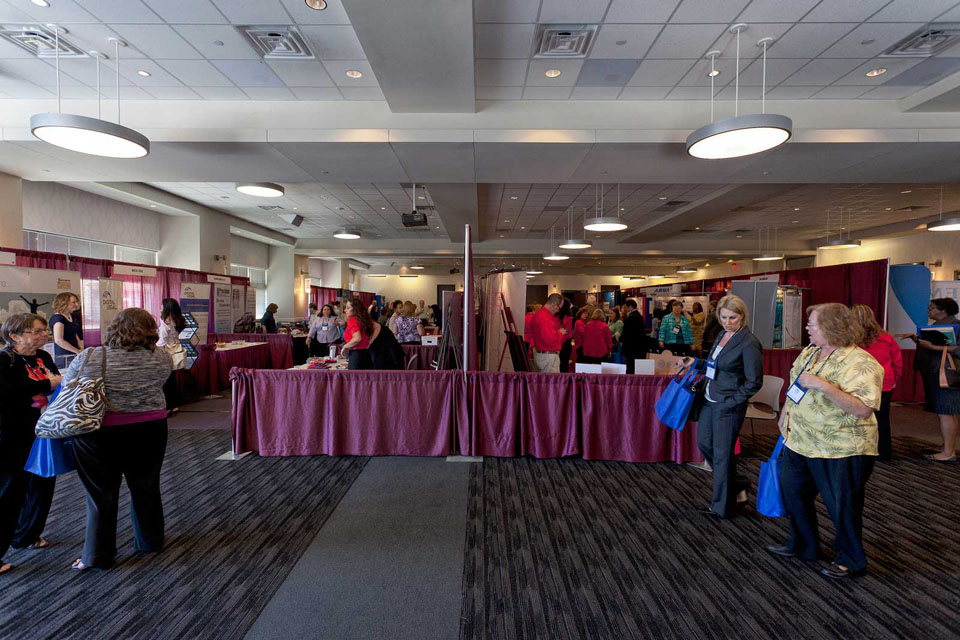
(834, 571)
(709, 513)
(781, 550)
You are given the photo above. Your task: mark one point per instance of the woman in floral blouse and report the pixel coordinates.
(830, 435)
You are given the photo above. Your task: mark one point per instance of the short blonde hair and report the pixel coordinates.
(62, 301)
(599, 314)
(736, 304)
(409, 309)
(871, 328)
(837, 324)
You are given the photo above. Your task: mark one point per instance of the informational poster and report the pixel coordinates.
(27, 290)
(223, 307)
(908, 288)
(251, 305)
(134, 270)
(946, 289)
(195, 300)
(111, 301)
(792, 320)
(236, 303)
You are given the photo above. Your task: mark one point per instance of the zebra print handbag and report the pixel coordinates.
(79, 408)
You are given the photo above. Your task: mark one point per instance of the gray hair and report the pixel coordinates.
(16, 324)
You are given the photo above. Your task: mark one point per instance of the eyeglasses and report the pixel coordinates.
(811, 326)
(38, 332)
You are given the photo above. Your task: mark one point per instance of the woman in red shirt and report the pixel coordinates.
(882, 346)
(597, 339)
(578, 327)
(357, 335)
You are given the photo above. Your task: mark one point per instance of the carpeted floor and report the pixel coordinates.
(572, 549)
(234, 531)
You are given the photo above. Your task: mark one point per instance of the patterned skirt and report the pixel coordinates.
(938, 400)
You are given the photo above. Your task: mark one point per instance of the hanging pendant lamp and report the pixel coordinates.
(950, 223)
(89, 135)
(838, 243)
(605, 223)
(554, 256)
(741, 135)
(571, 242)
(768, 256)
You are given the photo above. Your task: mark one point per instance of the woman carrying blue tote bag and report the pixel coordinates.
(769, 497)
(673, 407)
(51, 457)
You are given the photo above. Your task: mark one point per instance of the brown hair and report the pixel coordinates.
(868, 322)
(62, 300)
(16, 324)
(132, 329)
(409, 309)
(362, 315)
(837, 324)
(947, 305)
(598, 314)
(616, 312)
(272, 307)
(583, 311)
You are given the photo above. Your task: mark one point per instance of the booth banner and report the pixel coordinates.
(195, 300)
(908, 295)
(767, 277)
(223, 307)
(111, 301)
(947, 289)
(251, 304)
(218, 279)
(134, 270)
(25, 290)
(236, 304)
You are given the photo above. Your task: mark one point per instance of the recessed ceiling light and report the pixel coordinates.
(316, 5)
(506, 221)
(416, 266)
(696, 228)
(796, 208)
(623, 208)
(713, 73)
(686, 270)
(873, 73)
(887, 209)
(663, 197)
(739, 236)
(552, 73)
(523, 227)
(143, 72)
(501, 235)
(153, 206)
(421, 197)
(795, 222)
(353, 73)
(620, 43)
(260, 189)
(383, 208)
(513, 197)
(41, 3)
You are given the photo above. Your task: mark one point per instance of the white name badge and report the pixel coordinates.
(711, 369)
(324, 327)
(676, 329)
(796, 392)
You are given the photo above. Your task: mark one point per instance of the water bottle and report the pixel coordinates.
(333, 351)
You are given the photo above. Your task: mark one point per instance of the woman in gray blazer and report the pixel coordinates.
(734, 372)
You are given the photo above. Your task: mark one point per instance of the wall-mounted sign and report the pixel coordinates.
(7, 257)
(218, 279)
(134, 270)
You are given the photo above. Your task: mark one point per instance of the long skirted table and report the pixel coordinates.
(281, 345)
(419, 357)
(436, 413)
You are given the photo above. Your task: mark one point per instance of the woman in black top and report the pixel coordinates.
(566, 311)
(27, 375)
(67, 333)
(268, 322)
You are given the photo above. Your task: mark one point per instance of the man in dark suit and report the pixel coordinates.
(633, 341)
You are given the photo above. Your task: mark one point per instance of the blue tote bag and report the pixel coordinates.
(51, 457)
(673, 407)
(769, 496)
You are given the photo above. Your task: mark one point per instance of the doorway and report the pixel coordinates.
(440, 289)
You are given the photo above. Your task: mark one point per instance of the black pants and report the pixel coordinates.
(565, 352)
(13, 491)
(589, 359)
(717, 431)
(884, 446)
(170, 396)
(677, 349)
(360, 359)
(104, 457)
(36, 508)
(631, 357)
(842, 484)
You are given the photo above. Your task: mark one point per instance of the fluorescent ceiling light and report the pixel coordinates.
(604, 223)
(947, 224)
(89, 135)
(686, 270)
(767, 257)
(740, 136)
(556, 256)
(416, 266)
(347, 234)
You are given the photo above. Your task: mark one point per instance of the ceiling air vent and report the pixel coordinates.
(277, 43)
(671, 205)
(913, 207)
(564, 40)
(269, 207)
(40, 40)
(925, 42)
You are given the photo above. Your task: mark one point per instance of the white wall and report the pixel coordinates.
(249, 253)
(11, 211)
(179, 242)
(281, 282)
(55, 208)
(413, 289)
(926, 246)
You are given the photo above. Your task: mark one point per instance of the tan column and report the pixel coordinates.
(11, 211)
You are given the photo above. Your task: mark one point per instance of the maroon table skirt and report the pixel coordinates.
(422, 356)
(210, 374)
(281, 345)
(599, 417)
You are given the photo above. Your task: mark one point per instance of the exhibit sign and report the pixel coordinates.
(908, 295)
(251, 305)
(111, 302)
(195, 300)
(222, 307)
(134, 270)
(946, 289)
(28, 290)
(236, 304)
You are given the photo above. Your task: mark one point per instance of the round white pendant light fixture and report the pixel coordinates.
(347, 234)
(741, 135)
(83, 134)
(768, 255)
(685, 270)
(601, 222)
(574, 243)
(839, 243)
(553, 256)
(260, 189)
(416, 266)
(950, 223)
(657, 275)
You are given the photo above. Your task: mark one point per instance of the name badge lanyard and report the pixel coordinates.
(712, 359)
(797, 391)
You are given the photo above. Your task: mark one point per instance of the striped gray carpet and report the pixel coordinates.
(573, 549)
(234, 531)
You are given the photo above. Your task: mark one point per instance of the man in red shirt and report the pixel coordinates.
(547, 335)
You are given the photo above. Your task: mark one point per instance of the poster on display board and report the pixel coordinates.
(195, 300)
(222, 307)
(111, 301)
(236, 304)
(947, 289)
(908, 287)
(251, 304)
(28, 290)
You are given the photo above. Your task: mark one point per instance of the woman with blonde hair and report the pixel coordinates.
(409, 327)
(67, 334)
(885, 349)
(597, 339)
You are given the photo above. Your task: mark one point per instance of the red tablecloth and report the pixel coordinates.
(281, 345)
(601, 417)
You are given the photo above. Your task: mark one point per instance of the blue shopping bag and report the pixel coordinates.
(617, 356)
(51, 457)
(673, 407)
(769, 496)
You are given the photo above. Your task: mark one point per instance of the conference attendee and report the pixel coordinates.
(395, 312)
(409, 326)
(597, 339)
(943, 402)
(734, 372)
(27, 375)
(357, 335)
(437, 316)
(633, 339)
(374, 310)
(711, 327)
(528, 323)
(697, 320)
(830, 435)
(246, 324)
(882, 346)
(131, 441)
(565, 316)
(66, 331)
(386, 352)
(582, 317)
(424, 312)
(171, 324)
(268, 321)
(548, 335)
(312, 313)
(615, 323)
(675, 333)
(324, 331)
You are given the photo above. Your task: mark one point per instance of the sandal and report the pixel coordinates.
(5, 567)
(39, 544)
(952, 460)
(79, 566)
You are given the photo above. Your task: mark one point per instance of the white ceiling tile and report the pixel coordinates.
(546, 93)
(58, 12)
(791, 93)
(21, 12)
(220, 93)
(894, 67)
(301, 73)
(808, 40)
(134, 93)
(362, 93)
(708, 11)
(82, 93)
(838, 92)
(878, 37)
(778, 70)
(317, 93)
(31, 70)
(822, 71)
(333, 42)
(196, 73)
(159, 77)
(685, 40)
(120, 11)
(502, 73)
(689, 93)
(85, 71)
(172, 93)
(505, 10)
(889, 93)
(640, 11)
(499, 93)
(95, 36)
(660, 73)
(337, 69)
(730, 93)
(644, 93)
(26, 90)
(302, 14)
(157, 41)
(188, 12)
(698, 75)
(503, 40)
(268, 93)
(248, 73)
(203, 36)
(595, 93)
(10, 50)
(569, 69)
(636, 39)
(575, 11)
(253, 12)
(912, 10)
(775, 11)
(844, 10)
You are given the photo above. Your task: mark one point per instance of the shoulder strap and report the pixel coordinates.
(103, 376)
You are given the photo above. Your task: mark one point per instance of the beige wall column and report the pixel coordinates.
(11, 211)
